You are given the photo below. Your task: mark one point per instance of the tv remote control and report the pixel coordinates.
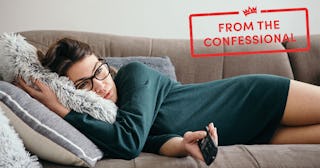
(208, 148)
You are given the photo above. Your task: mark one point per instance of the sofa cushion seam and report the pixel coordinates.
(251, 154)
(150, 46)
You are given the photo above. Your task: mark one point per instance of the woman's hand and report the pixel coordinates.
(188, 144)
(44, 95)
(190, 141)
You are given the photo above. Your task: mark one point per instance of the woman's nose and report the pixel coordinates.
(98, 85)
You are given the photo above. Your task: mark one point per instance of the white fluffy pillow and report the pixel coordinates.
(18, 57)
(12, 151)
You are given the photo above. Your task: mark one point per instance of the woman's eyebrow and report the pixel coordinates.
(93, 70)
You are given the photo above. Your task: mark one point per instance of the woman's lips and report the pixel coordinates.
(108, 95)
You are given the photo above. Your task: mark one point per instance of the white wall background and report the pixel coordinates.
(149, 18)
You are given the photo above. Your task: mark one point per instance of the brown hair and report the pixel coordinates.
(63, 54)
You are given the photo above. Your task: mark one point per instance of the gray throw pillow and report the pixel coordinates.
(61, 142)
(162, 64)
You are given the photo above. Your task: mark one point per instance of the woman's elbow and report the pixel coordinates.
(130, 151)
(122, 153)
(131, 155)
(127, 152)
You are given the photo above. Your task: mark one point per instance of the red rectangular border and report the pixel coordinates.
(249, 52)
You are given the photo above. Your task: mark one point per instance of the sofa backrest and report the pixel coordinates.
(306, 65)
(193, 70)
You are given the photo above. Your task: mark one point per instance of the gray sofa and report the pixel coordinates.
(303, 66)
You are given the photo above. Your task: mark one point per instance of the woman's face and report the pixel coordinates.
(86, 68)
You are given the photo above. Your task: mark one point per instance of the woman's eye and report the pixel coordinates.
(99, 70)
(83, 85)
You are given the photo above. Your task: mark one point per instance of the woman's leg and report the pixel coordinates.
(309, 134)
(303, 105)
(301, 119)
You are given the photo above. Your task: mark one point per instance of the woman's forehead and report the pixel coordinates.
(83, 68)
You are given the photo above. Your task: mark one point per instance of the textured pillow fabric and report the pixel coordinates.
(60, 142)
(161, 64)
(12, 151)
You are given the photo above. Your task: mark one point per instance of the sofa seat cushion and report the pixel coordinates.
(234, 156)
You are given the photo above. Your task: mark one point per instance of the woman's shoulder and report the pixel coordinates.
(132, 77)
(132, 71)
(133, 66)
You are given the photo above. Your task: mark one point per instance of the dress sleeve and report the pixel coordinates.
(140, 93)
(154, 142)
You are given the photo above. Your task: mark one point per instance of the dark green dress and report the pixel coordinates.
(152, 109)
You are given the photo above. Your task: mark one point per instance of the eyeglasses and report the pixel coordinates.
(101, 73)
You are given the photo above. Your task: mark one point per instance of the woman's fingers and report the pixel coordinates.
(213, 133)
(43, 87)
(216, 136)
(191, 143)
(194, 136)
(27, 88)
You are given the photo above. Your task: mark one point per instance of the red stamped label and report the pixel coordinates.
(214, 31)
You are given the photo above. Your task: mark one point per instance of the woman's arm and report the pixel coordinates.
(174, 147)
(188, 144)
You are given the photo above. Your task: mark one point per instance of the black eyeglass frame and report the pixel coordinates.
(103, 61)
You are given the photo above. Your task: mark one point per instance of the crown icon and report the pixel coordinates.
(250, 10)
